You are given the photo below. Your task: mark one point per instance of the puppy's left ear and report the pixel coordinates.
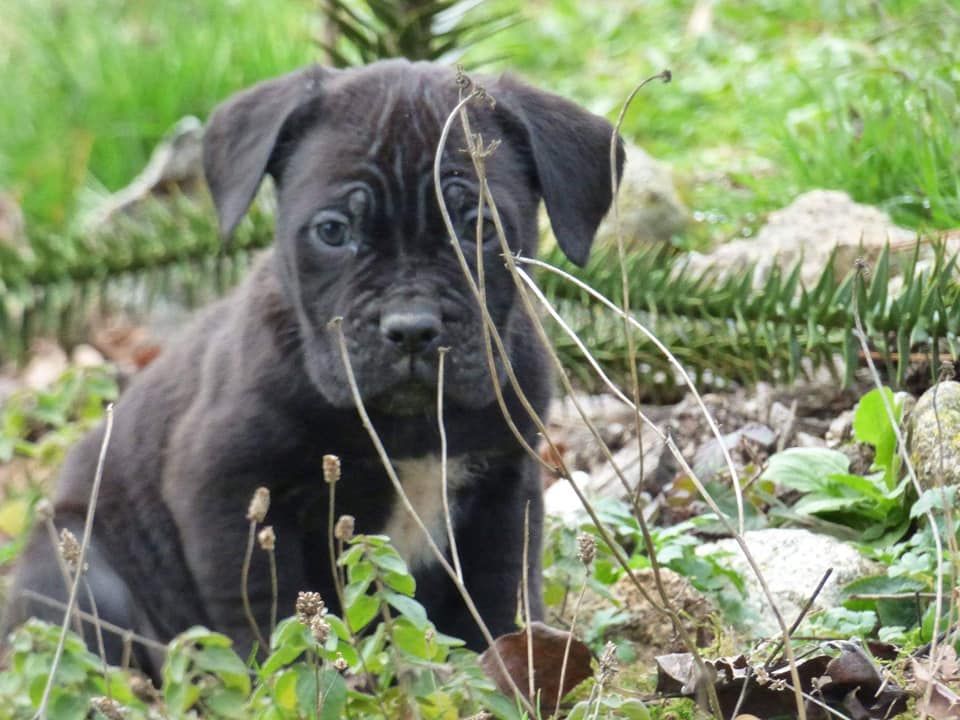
(241, 139)
(570, 151)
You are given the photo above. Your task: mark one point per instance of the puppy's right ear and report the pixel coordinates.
(241, 137)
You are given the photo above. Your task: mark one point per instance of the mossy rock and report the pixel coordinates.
(935, 447)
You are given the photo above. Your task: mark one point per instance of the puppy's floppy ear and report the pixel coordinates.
(241, 136)
(570, 151)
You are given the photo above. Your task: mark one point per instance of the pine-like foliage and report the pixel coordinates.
(721, 329)
(361, 32)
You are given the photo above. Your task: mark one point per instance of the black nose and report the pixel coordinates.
(412, 329)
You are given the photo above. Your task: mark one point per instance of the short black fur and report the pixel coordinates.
(254, 392)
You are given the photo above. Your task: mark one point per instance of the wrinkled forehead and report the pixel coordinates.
(388, 122)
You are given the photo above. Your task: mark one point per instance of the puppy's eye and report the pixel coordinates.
(488, 233)
(330, 228)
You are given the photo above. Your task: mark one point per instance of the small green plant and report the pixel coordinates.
(874, 507)
(384, 637)
(43, 424)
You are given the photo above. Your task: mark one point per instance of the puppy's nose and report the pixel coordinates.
(412, 329)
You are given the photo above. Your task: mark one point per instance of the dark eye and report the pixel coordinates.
(330, 228)
(489, 232)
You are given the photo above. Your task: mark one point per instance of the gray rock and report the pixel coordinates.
(810, 228)
(649, 206)
(792, 562)
(930, 443)
(709, 458)
(176, 162)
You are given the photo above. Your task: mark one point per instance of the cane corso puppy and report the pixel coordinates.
(255, 392)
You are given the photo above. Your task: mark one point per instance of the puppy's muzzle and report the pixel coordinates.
(411, 327)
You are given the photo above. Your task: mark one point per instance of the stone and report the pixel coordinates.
(929, 443)
(809, 229)
(649, 206)
(47, 363)
(175, 164)
(792, 561)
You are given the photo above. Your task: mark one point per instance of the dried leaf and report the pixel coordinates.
(850, 682)
(549, 645)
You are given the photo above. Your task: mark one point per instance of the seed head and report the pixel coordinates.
(44, 510)
(586, 548)
(343, 530)
(608, 663)
(267, 538)
(259, 504)
(69, 548)
(310, 605)
(331, 469)
(320, 628)
(340, 664)
(110, 709)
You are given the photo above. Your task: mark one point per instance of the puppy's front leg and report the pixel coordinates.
(215, 540)
(490, 540)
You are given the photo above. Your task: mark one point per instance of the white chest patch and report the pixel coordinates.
(422, 481)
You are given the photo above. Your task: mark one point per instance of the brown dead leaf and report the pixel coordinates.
(850, 682)
(548, 650)
(944, 702)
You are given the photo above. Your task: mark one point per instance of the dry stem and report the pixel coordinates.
(41, 713)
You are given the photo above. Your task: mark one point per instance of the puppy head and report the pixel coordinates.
(359, 230)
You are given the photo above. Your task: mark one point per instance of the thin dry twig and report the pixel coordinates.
(445, 491)
(87, 617)
(41, 713)
(861, 268)
(801, 615)
(244, 585)
(525, 594)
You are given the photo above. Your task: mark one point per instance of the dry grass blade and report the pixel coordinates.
(911, 471)
(41, 713)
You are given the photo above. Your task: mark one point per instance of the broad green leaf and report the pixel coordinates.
(407, 606)
(285, 689)
(401, 582)
(805, 469)
(361, 612)
(227, 703)
(333, 695)
(872, 425)
(388, 559)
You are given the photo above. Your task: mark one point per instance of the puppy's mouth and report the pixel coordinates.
(414, 388)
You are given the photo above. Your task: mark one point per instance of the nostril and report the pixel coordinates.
(413, 331)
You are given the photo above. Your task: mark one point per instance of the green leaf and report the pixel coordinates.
(228, 704)
(225, 664)
(334, 695)
(406, 606)
(361, 612)
(401, 582)
(285, 689)
(934, 499)
(872, 425)
(388, 559)
(67, 705)
(805, 469)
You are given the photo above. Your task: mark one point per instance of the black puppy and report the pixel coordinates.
(255, 392)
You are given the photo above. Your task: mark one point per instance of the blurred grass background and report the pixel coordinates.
(772, 98)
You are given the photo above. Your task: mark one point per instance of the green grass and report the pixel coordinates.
(780, 97)
(89, 86)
